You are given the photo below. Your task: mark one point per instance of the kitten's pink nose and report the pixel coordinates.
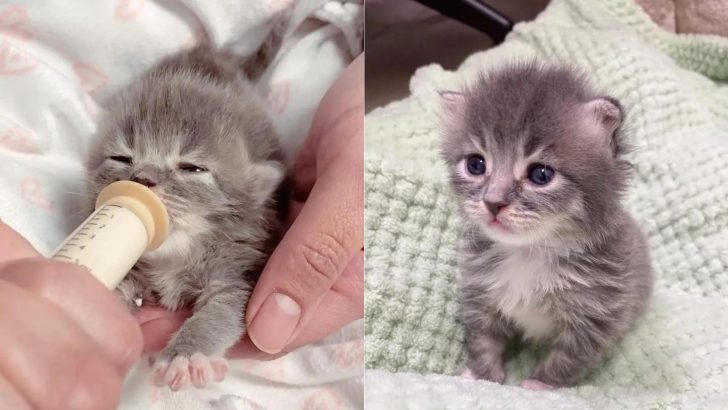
(144, 181)
(495, 207)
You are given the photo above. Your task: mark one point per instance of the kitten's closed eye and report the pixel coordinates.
(187, 167)
(121, 158)
(540, 174)
(476, 164)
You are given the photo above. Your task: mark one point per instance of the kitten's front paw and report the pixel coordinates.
(489, 373)
(198, 370)
(533, 384)
(468, 374)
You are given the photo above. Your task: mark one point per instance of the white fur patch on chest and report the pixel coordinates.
(176, 246)
(167, 272)
(534, 321)
(181, 240)
(520, 284)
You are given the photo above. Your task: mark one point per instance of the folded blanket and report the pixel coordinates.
(676, 101)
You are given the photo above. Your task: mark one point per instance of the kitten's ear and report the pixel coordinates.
(606, 113)
(451, 111)
(265, 178)
(452, 100)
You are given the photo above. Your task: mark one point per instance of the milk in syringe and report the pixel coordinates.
(129, 220)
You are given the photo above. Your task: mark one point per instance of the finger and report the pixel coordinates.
(11, 398)
(293, 211)
(345, 97)
(344, 140)
(158, 325)
(346, 297)
(246, 349)
(14, 246)
(149, 312)
(343, 146)
(343, 304)
(304, 174)
(309, 259)
(85, 300)
(48, 359)
(332, 314)
(341, 107)
(351, 282)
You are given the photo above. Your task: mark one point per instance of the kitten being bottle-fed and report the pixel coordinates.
(129, 220)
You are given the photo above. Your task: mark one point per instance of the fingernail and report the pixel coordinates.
(275, 322)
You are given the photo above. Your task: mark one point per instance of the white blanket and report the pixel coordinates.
(59, 59)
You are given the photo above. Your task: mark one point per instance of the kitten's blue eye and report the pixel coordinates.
(121, 158)
(540, 174)
(187, 167)
(476, 165)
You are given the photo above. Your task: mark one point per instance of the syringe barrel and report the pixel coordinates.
(108, 243)
(129, 220)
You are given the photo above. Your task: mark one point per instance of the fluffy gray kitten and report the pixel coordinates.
(193, 129)
(536, 159)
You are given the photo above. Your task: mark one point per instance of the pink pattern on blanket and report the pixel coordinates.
(349, 354)
(323, 399)
(199, 36)
(31, 190)
(13, 22)
(129, 9)
(18, 139)
(278, 96)
(272, 370)
(274, 6)
(15, 62)
(91, 78)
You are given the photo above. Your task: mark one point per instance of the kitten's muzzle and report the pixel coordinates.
(145, 176)
(498, 194)
(495, 207)
(144, 181)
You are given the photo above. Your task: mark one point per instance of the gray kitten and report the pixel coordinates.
(536, 159)
(193, 129)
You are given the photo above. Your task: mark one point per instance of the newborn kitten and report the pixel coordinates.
(193, 129)
(550, 256)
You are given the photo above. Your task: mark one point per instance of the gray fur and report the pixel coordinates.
(573, 270)
(198, 107)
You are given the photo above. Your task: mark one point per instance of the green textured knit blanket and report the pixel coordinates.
(676, 99)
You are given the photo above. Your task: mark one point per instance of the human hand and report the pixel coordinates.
(313, 283)
(67, 341)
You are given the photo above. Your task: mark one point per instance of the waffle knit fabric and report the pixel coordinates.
(674, 90)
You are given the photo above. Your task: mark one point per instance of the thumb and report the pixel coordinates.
(321, 242)
(14, 246)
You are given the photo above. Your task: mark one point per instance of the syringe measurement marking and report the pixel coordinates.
(85, 235)
(84, 231)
